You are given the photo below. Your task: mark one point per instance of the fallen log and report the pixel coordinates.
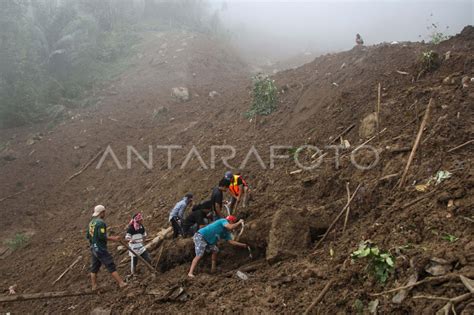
(416, 144)
(67, 269)
(320, 297)
(158, 238)
(85, 166)
(44, 295)
(338, 217)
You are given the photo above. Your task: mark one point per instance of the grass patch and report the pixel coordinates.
(20, 240)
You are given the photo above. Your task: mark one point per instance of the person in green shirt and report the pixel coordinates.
(97, 236)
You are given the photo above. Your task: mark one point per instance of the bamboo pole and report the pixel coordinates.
(417, 142)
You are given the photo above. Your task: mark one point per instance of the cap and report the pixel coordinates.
(228, 175)
(97, 210)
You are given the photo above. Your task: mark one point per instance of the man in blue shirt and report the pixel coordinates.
(177, 214)
(207, 238)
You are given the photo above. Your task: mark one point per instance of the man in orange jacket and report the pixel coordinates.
(238, 189)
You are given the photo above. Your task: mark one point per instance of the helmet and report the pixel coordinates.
(231, 218)
(228, 175)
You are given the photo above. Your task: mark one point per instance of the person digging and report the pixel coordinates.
(135, 236)
(97, 236)
(206, 239)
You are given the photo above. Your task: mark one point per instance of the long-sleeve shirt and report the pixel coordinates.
(179, 208)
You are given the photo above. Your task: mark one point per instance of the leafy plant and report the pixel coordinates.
(436, 36)
(20, 240)
(264, 96)
(380, 264)
(450, 238)
(429, 60)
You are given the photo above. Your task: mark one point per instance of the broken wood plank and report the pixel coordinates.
(338, 217)
(416, 144)
(67, 269)
(85, 166)
(320, 297)
(43, 295)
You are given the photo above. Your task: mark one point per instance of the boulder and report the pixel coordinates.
(289, 235)
(368, 126)
(181, 94)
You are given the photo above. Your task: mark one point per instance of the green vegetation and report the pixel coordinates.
(264, 96)
(436, 36)
(20, 240)
(380, 264)
(450, 238)
(429, 60)
(53, 52)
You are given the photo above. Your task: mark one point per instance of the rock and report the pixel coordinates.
(465, 81)
(289, 235)
(181, 94)
(101, 311)
(449, 80)
(213, 94)
(242, 275)
(30, 142)
(447, 55)
(368, 127)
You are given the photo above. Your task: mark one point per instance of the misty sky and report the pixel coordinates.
(282, 28)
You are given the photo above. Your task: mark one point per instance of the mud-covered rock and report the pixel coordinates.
(368, 126)
(289, 235)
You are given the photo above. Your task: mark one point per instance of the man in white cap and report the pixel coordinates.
(97, 236)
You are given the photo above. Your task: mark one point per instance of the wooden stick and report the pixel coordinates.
(429, 279)
(348, 208)
(411, 203)
(338, 217)
(44, 295)
(468, 283)
(360, 146)
(147, 264)
(461, 145)
(13, 195)
(456, 299)
(417, 142)
(342, 133)
(67, 269)
(85, 166)
(379, 96)
(320, 297)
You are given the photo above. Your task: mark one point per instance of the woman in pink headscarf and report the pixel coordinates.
(135, 236)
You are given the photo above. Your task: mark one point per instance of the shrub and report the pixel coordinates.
(264, 96)
(380, 264)
(429, 60)
(20, 240)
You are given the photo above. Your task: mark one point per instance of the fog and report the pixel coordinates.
(280, 29)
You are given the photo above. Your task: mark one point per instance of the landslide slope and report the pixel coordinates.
(317, 102)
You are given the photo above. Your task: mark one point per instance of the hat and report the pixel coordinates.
(231, 218)
(97, 210)
(228, 175)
